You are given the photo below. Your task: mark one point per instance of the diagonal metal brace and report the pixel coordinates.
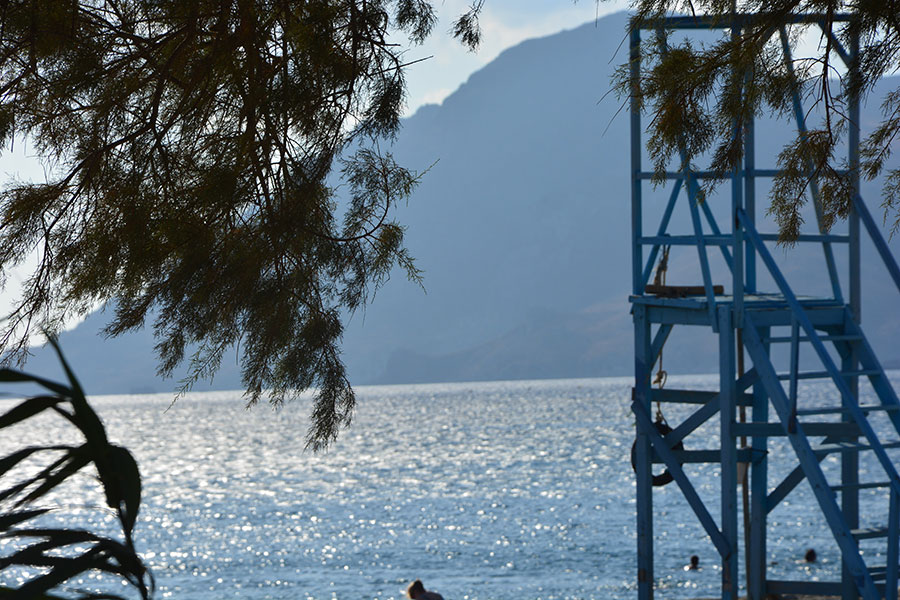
(645, 425)
(706, 412)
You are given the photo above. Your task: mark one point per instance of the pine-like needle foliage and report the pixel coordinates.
(698, 93)
(190, 147)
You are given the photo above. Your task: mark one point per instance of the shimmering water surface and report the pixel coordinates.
(491, 491)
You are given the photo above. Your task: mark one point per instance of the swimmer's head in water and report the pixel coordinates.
(415, 588)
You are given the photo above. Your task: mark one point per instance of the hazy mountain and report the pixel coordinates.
(523, 229)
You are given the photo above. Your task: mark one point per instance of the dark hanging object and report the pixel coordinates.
(664, 477)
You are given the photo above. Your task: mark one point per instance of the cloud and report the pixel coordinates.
(436, 96)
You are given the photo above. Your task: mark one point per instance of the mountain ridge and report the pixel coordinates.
(523, 230)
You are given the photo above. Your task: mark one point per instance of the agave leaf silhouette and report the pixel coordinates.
(61, 554)
(10, 519)
(122, 483)
(11, 460)
(13, 376)
(28, 409)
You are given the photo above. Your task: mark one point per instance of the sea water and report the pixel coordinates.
(489, 491)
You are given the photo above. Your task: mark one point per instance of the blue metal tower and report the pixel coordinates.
(748, 320)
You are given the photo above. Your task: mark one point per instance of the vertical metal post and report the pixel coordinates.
(643, 361)
(850, 475)
(737, 202)
(853, 142)
(728, 395)
(890, 584)
(759, 489)
(750, 201)
(850, 460)
(795, 368)
(637, 258)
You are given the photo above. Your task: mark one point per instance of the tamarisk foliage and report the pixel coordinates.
(193, 149)
(697, 93)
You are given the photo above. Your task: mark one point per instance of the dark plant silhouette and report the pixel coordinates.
(60, 553)
(197, 149)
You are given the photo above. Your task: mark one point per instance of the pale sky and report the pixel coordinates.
(504, 23)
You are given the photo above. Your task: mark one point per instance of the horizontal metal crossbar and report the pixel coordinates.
(844, 446)
(709, 456)
(730, 21)
(834, 410)
(871, 485)
(727, 240)
(710, 408)
(833, 238)
(676, 175)
(803, 338)
(685, 240)
(821, 316)
(818, 588)
(777, 429)
(827, 375)
(681, 175)
(878, 573)
(868, 533)
(675, 396)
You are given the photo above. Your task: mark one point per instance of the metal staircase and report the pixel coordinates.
(789, 339)
(839, 328)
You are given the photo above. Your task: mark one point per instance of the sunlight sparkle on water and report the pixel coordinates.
(502, 490)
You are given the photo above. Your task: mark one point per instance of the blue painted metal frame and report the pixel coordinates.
(693, 202)
(729, 459)
(859, 207)
(646, 428)
(853, 569)
(743, 248)
(663, 227)
(643, 459)
(809, 463)
(890, 584)
(847, 398)
(800, 118)
(866, 357)
(634, 58)
(737, 202)
(853, 163)
(756, 578)
(708, 410)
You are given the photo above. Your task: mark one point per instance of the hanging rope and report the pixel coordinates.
(662, 427)
(659, 279)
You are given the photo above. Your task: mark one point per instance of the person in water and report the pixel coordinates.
(417, 591)
(694, 565)
(810, 556)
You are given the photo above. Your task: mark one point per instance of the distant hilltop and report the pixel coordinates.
(522, 228)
